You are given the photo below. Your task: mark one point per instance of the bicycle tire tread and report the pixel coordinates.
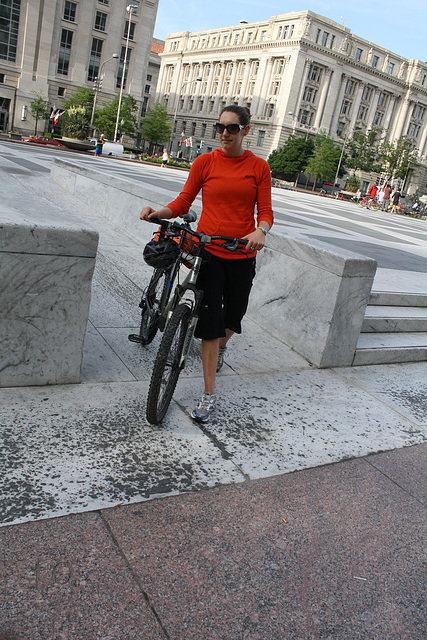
(180, 316)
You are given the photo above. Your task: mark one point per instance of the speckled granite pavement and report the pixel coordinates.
(238, 547)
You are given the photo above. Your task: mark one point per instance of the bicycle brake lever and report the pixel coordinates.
(231, 246)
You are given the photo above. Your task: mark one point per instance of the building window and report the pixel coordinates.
(378, 118)
(193, 128)
(366, 94)
(358, 55)
(107, 2)
(382, 100)
(203, 131)
(147, 88)
(314, 73)
(213, 136)
(120, 69)
(275, 88)
(263, 35)
(144, 107)
(61, 92)
(9, 26)
(309, 94)
(279, 33)
(390, 68)
(340, 128)
(319, 31)
(94, 60)
(131, 30)
(325, 38)
(261, 138)
(305, 116)
(64, 52)
(184, 126)
(363, 110)
(418, 112)
(375, 60)
(237, 38)
(70, 9)
(149, 77)
(100, 21)
(250, 37)
(2, 77)
(285, 31)
(413, 130)
(349, 89)
(331, 46)
(346, 107)
(224, 41)
(269, 110)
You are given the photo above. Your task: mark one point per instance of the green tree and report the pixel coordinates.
(288, 161)
(364, 150)
(352, 184)
(78, 110)
(38, 109)
(324, 161)
(155, 127)
(105, 118)
(398, 157)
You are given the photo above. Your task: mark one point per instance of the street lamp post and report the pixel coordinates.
(129, 10)
(198, 79)
(97, 80)
(339, 163)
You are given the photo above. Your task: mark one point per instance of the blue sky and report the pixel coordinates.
(397, 26)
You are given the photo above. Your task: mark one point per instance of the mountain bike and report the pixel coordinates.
(180, 315)
(156, 296)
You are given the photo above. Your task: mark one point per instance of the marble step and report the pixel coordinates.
(398, 299)
(382, 319)
(389, 348)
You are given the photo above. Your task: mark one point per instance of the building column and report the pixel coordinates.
(356, 104)
(322, 99)
(402, 119)
(336, 110)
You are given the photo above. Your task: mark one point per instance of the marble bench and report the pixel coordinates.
(310, 295)
(46, 269)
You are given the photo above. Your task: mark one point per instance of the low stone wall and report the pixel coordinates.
(311, 296)
(45, 273)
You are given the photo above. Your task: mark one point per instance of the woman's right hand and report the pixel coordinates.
(149, 214)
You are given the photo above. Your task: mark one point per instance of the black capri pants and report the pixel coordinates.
(226, 285)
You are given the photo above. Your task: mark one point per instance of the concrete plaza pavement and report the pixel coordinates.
(298, 512)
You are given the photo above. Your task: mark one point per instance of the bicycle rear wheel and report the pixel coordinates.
(152, 306)
(167, 365)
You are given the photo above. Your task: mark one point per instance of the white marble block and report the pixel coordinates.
(45, 286)
(313, 297)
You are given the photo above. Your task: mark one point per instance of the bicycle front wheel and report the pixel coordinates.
(167, 365)
(153, 305)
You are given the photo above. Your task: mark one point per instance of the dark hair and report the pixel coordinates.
(243, 113)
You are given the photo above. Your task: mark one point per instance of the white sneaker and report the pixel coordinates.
(221, 355)
(204, 408)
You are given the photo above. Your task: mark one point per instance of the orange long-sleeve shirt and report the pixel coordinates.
(231, 188)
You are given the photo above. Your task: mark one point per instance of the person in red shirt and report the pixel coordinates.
(372, 193)
(233, 182)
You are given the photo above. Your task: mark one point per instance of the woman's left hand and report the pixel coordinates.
(256, 240)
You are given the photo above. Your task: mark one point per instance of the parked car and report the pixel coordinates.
(43, 140)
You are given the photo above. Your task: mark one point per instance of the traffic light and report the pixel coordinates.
(202, 142)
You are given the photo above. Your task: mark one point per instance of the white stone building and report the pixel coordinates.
(299, 73)
(48, 48)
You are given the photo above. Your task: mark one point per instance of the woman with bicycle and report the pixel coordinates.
(233, 182)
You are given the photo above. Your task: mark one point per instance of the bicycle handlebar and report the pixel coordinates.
(231, 244)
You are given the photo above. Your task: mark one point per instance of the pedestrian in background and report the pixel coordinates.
(165, 158)
(395, 203)
(386, 199)
(99, 145)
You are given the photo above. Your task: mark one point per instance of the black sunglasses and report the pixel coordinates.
(231, 128)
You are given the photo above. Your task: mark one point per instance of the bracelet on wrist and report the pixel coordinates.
(263, 229)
